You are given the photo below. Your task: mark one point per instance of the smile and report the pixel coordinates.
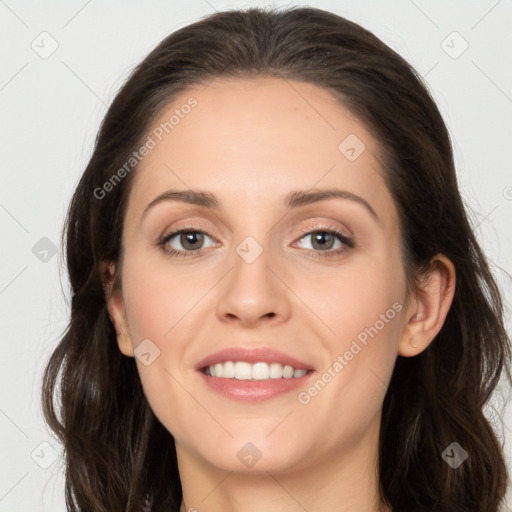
(242, 370)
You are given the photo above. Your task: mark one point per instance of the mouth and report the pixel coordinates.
(253, 374)
(258, 371)
(254, 383)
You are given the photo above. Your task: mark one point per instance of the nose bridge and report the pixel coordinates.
(251, 291)
(252, 248)
(250, 275)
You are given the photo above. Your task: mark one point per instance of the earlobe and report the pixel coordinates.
(116, 309)
(429, 307)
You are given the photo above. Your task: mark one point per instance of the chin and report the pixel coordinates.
(255, 456)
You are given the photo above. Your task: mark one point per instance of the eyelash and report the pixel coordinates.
(348, 242)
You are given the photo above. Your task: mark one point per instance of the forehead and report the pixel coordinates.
(254, 140)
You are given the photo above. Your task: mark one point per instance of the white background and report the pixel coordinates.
(50, 110)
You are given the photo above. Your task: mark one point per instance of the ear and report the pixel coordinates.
(116, 308)
(428, 306)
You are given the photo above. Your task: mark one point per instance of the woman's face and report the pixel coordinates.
(263, 268)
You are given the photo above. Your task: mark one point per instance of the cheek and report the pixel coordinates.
(163, 308)
(368, 309)
(364, 312)
(362, 300)
(157, 302)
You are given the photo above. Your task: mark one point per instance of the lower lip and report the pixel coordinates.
(254, 390)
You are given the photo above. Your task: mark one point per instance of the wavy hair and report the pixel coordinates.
(118, 456)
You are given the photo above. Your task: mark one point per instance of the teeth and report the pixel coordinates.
(258, 371)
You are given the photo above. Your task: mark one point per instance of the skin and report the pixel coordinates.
(250, 143)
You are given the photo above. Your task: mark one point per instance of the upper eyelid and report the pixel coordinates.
(165, 238)
(303, 231)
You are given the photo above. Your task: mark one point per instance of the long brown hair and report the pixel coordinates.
(118, 455)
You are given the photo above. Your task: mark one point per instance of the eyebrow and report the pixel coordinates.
(292, 200)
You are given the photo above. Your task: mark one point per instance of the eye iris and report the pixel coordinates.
(191, 238)
(320, 237)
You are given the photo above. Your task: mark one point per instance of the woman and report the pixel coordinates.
(278, 302)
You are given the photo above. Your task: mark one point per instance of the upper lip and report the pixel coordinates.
(252, 355)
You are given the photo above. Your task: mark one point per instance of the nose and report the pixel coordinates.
(253, 292)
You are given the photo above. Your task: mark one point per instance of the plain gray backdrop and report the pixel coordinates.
(61, 65)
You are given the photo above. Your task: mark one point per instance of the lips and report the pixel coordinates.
(252, 355)
(254, 390)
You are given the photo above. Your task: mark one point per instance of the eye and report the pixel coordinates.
(190, 239)
(326, 239)
(189, 242)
